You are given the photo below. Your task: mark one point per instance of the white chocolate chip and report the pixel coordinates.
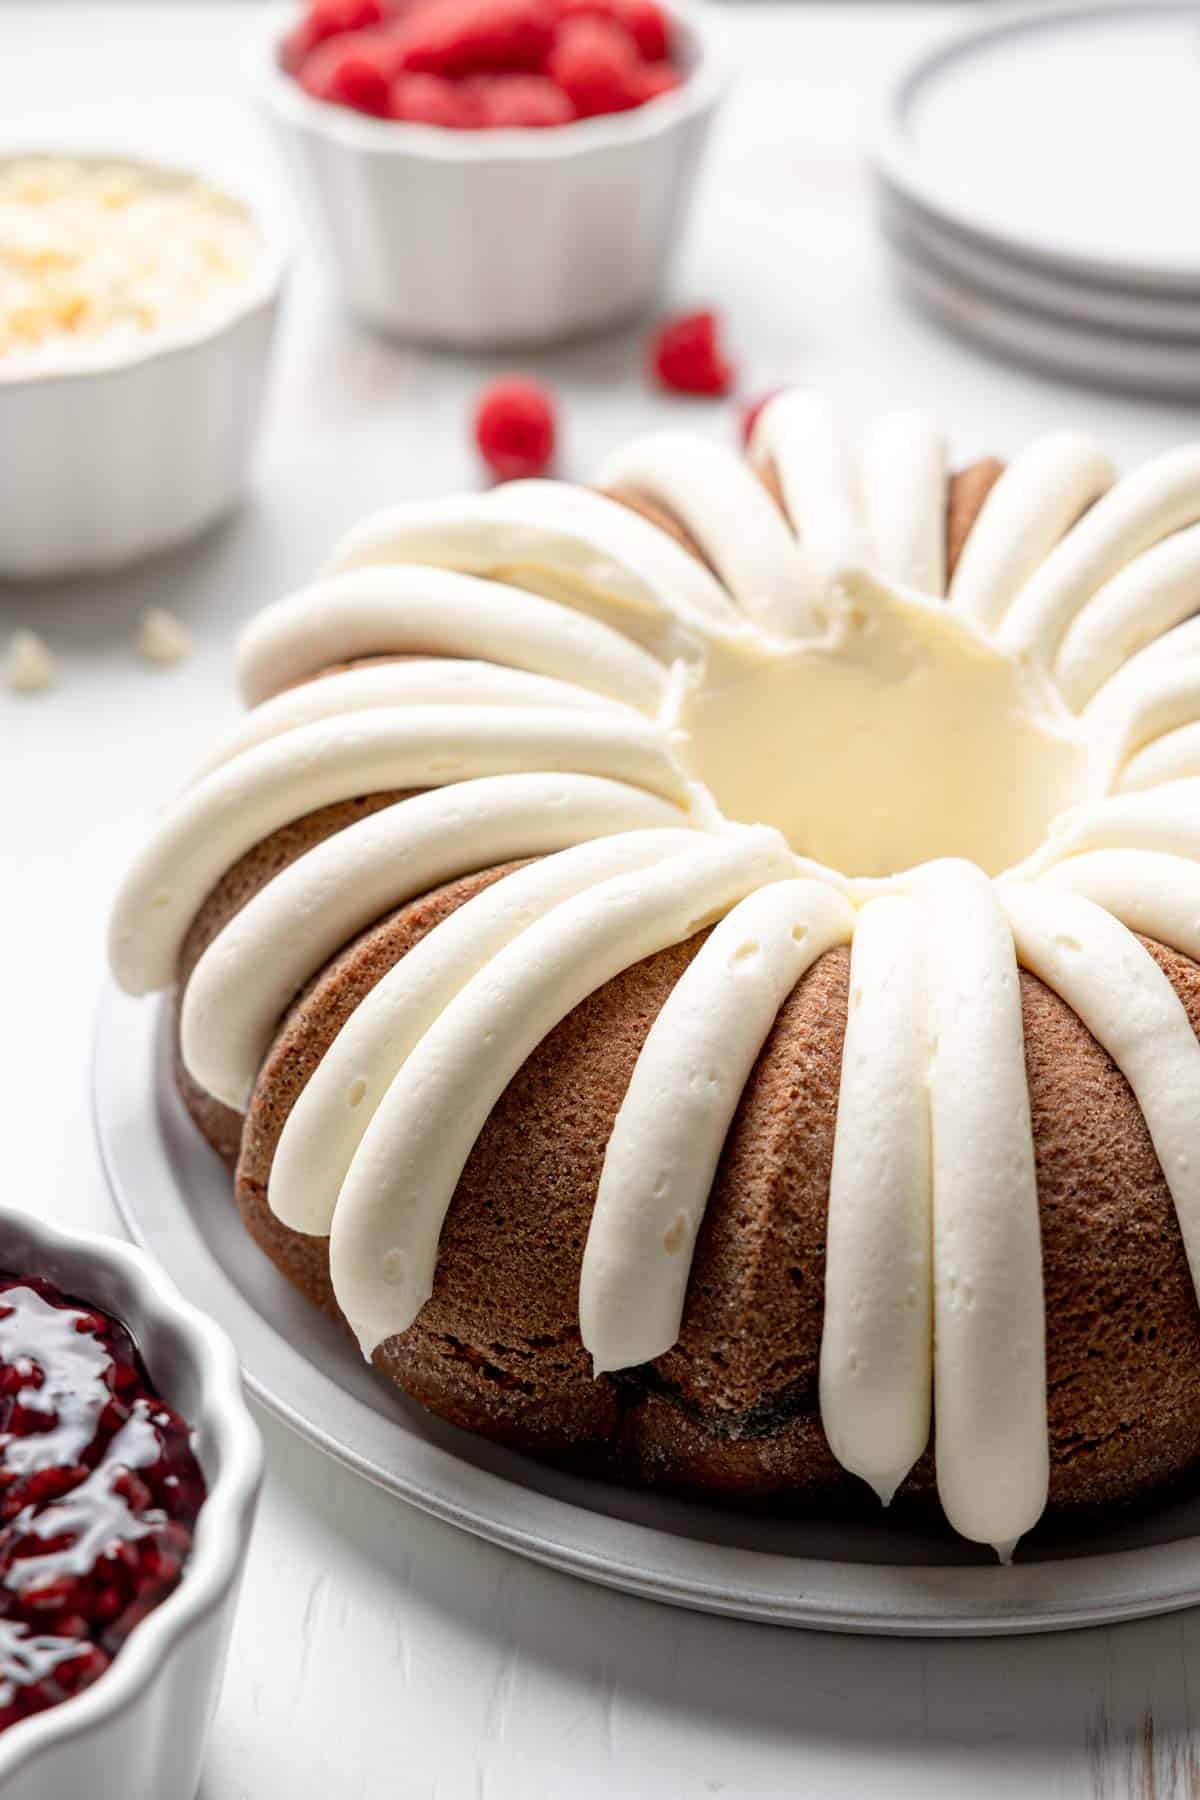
(29, 667)
(163, 639)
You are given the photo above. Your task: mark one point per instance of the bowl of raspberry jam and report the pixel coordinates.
(107, 1476)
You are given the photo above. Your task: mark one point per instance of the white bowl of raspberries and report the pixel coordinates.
(492, 172)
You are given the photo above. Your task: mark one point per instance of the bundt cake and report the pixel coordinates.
(701, 972)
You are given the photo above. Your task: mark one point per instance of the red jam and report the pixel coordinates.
(99, 1493)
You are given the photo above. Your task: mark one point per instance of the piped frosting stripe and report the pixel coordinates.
(439, 612)
(1030, 509)
(666, 1141)
(1143, 509)
(1150, 596)
(902, 462)
(989, 1317)
(553, 531)
(801, 437)
(1150, 891)
(730, 515)
(1119, 992)
(383, 1246)
(327, 1123)
(421, 681)
(215, 822)
(876, 1343)
(253, 968)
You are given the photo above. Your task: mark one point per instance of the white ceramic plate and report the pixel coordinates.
(1068, 137)
(840, 1576)
(1165, 368)
(1137, 314)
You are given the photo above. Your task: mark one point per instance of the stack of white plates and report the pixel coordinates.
(1039, 189)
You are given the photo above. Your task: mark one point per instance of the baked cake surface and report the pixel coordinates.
(702, 974)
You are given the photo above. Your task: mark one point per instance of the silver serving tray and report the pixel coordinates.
(868, 1575)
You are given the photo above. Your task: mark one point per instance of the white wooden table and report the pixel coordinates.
(377, 1653)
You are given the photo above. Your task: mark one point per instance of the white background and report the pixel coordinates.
(378, 1653)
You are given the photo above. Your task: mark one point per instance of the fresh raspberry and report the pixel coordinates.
(657, 78)
(354, 70)
(464, 37)
(519, 100)
(596, 64)
(644, 20)
(751, 413)
(325, 19)
(432, 100)
(515, 427)
(684, 355)
(646, 24)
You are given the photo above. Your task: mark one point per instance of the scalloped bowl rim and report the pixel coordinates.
(260, 290)
(224, 1519)
(702, 87)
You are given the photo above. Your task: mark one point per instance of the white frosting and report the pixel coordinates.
(534, 532)
(438, 612)
(1119, 992)
(226, 813)
(326, 1125)
(383, 1247)
(1120, 694)
(877, 1344)
(801, 438)
(580, 688)
(1150, 595)
(281, 937)
(1173, 757)
(665, 1145)
(1034, 503)
(902, 468)
(424, 681)
(966, 751)
(729, 514)
(1167, 699)
(1149, 890)
(1166, 818)
(1138, 513)
(989, 1323)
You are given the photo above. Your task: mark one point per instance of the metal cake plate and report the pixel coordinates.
(862, 1576)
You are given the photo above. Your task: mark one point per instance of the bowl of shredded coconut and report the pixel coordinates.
(137, 309)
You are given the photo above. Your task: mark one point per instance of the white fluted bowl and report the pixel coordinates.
(121, 452)
(502, 238)
(139, 1731)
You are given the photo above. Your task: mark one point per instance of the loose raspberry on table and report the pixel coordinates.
(354, 70)
(531, 101)
(595, 62)
(684, 355)
(516, 428)
(465, 37)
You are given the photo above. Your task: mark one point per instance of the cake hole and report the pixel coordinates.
(393, 1266)
(745, 952)
(356, 1091)
(1064, 941)
(161, 899)
(799, 933)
